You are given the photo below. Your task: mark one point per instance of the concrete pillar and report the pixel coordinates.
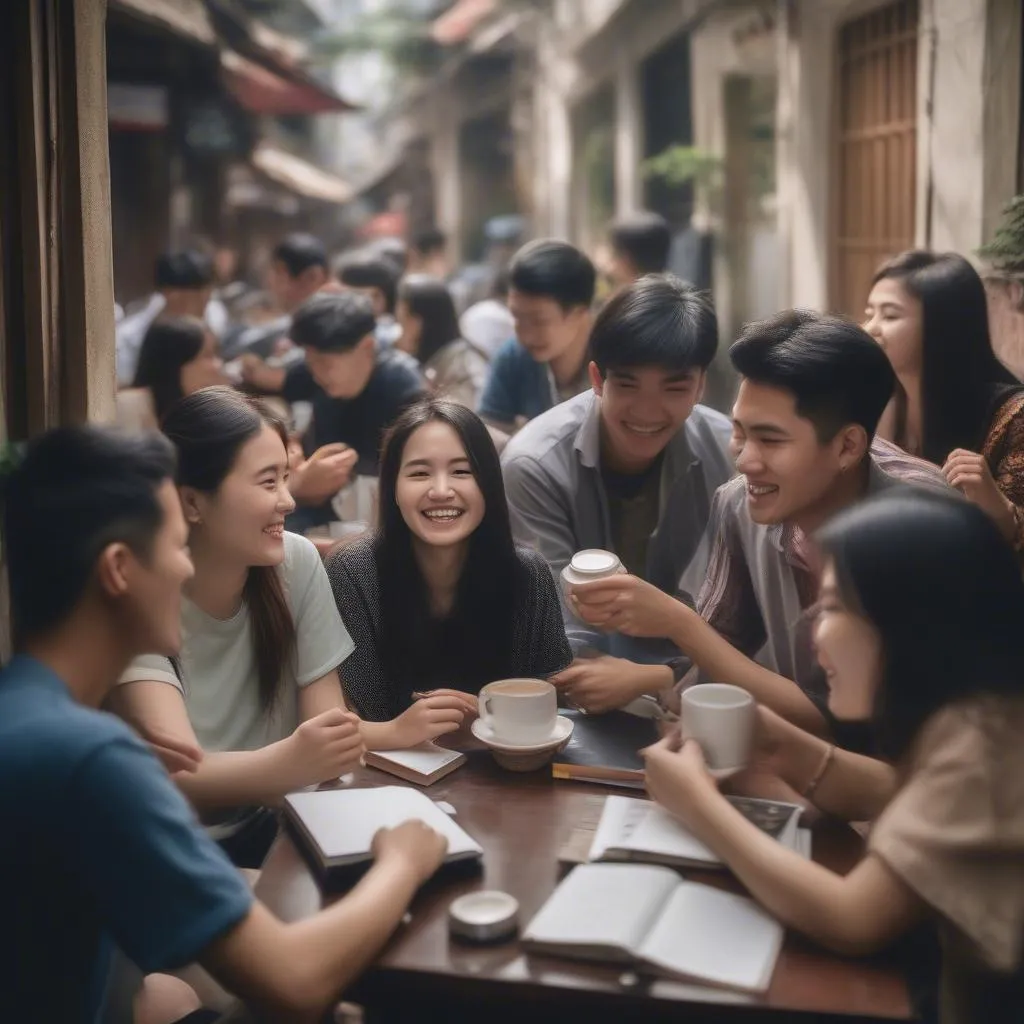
(629, 145)
(446, 169)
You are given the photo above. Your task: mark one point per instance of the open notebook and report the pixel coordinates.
(644, 915)
(641, 831)
(338, 825)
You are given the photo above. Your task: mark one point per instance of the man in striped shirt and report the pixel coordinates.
(812, 390)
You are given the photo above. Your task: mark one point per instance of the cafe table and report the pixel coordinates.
(524, 822)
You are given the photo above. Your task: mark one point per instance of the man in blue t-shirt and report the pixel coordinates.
(551, 288)
(98, 847)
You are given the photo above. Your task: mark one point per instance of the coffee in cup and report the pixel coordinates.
(721, 718)
(588, 566)
(519, 712)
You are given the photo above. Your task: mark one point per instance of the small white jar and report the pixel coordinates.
(588, 566)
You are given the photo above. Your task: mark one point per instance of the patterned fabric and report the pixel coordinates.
(1004, 452)
(540, 647)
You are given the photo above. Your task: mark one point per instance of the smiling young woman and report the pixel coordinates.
(256, 682)
(440, 598)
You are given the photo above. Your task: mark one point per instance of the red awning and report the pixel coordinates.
(260, 91)
(459, 21)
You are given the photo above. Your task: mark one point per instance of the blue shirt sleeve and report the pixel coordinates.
(499, 401)
(163, 888)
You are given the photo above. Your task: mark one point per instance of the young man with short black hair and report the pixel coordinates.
(298, 270)
(98, 844)
(551, 289)
(428, 253)
(812, 390)
(184, 284)
(630, 466)
(640, 244)
(375, 276)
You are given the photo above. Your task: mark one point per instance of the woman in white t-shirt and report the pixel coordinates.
(256, 684)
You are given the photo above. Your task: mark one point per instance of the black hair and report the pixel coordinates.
(367, 270)
(645, 239)
(209, 428)
(555, 270)
(934, 575)
(429, 240)
(963, 382)
(77, 490)
(333, 321)
(298, 252)
(834, 370)
(428, 299)
(188, 269)
(492, 579)
(395, 250)
(166, 348)
(658, 320)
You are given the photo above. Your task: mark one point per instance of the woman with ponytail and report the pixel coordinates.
(256, 684)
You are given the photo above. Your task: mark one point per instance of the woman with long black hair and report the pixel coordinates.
(919, 626)
(439, 598)
(956, 405)
(256, 684)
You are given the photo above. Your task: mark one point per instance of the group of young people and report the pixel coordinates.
(847, 584)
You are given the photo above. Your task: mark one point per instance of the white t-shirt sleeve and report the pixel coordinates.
(150, 667)
(322, 641)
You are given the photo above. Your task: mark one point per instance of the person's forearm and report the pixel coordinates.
(853, 787)
(650, 680)
(720, 660)
(381, 735)
(800, 893)
(239, 778)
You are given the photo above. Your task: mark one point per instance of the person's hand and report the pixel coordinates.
(430, 717)
(601, 684)
(676, 777)
(627, 604)
(969, 473)
(413, 845)
(766, 774)
(472, 704)
(176, 755)
(256, 373)
(324, 747)
(323, 474)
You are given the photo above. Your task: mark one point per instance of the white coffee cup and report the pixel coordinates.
(721, 718)
(519, 712)
(589, 565)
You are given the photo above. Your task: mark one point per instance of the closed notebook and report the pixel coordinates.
(338, 825)
(606, 749)
(642, 832)
(422, 765)
(646, 916)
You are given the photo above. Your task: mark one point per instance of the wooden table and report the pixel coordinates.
(522, 822)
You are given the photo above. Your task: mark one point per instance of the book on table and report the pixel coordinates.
(337, 826)
(646, 916)
(422, 765)
(640, 831)
(606, 749)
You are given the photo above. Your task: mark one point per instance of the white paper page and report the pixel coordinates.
(611, 905)
(426, 758)
(343, 822)
(619, 819)
(716, 937)
(628, 824)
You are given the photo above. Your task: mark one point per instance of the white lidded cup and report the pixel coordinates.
(588, 566)
(721, 718)
(519, 712)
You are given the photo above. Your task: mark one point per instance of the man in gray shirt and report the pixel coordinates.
(811, 393)
(630, 466)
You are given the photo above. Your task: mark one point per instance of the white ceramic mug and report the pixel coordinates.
(519, 712)
(721, 718)
(588, 566)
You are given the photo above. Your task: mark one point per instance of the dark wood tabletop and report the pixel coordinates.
(523, 822)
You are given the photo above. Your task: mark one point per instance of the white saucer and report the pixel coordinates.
(560, 734)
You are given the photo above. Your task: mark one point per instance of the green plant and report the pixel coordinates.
(679, 165)
(1005, 253)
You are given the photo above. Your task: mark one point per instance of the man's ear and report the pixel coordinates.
(113, 568)
(853, 444)
(191, 505)
(368, 346)
(596, 380)
(313, 278)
